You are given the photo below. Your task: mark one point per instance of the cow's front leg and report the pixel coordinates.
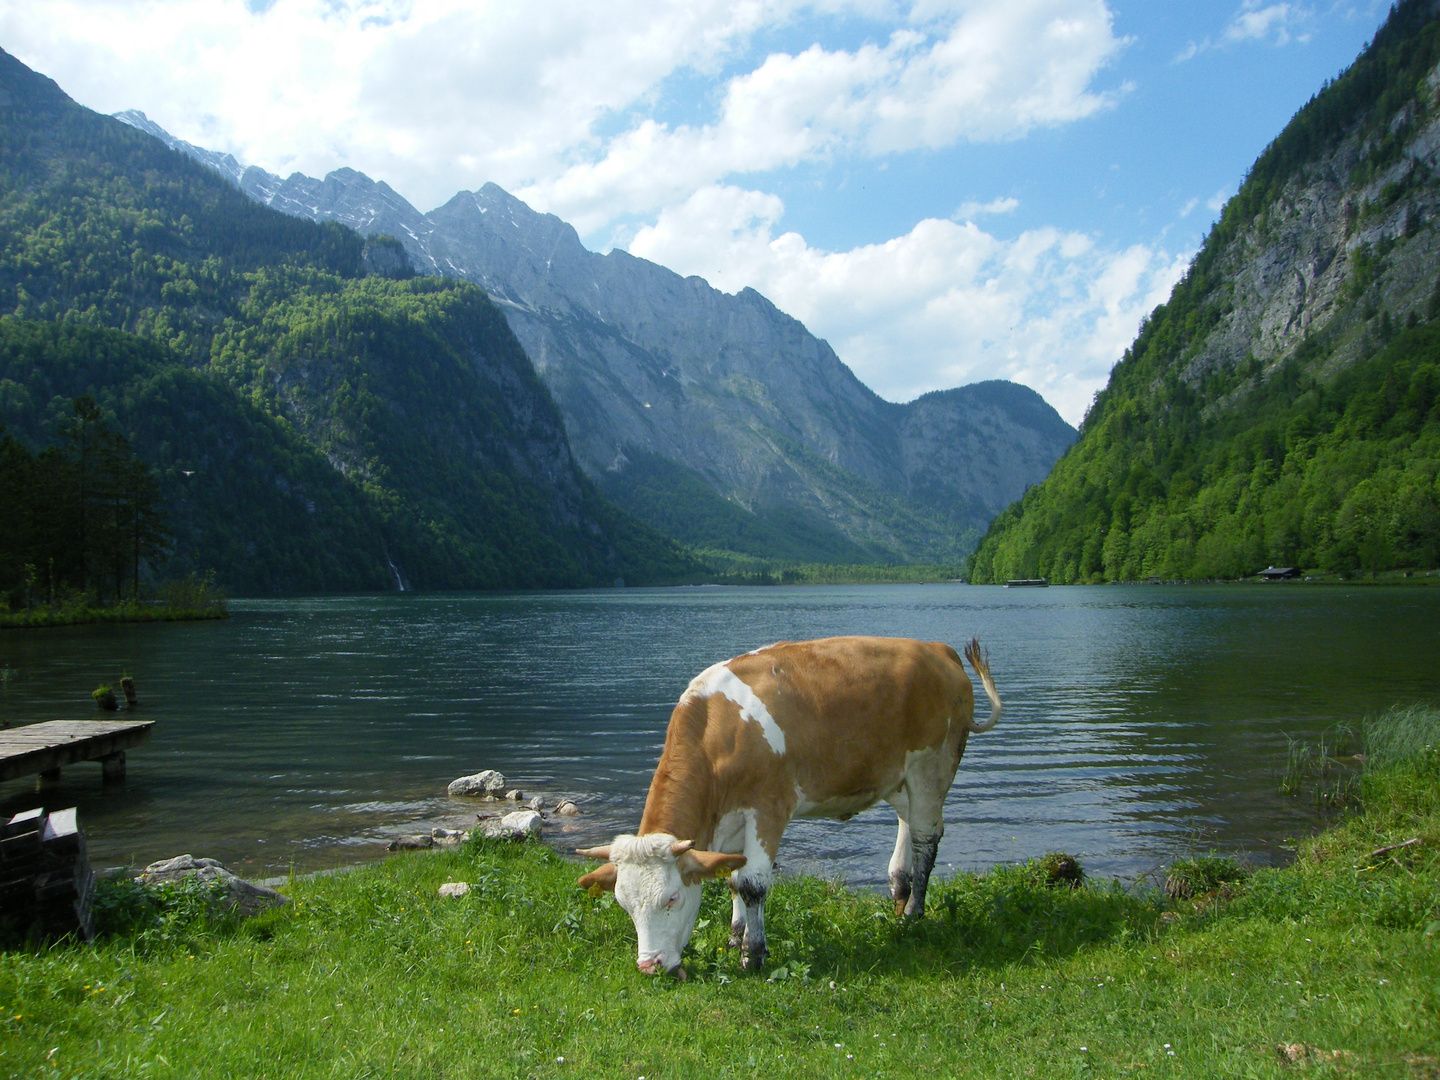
(750, 896)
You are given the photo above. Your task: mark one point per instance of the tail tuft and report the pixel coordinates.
(980, 661)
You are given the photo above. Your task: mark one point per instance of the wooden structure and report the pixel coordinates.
(46, 884)
(1027, 583)
(1279, 573)
(46, 748)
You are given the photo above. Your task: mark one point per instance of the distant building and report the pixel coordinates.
(1279, 573)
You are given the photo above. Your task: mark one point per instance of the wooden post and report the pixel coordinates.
(112, 767)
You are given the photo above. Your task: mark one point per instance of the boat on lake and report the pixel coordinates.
(1027, 583)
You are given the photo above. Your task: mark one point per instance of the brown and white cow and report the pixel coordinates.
(811, 729)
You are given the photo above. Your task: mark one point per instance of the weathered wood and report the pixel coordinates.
(46, 748)
(46, 884)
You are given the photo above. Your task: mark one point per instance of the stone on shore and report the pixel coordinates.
(486, 782)
(455, 888)
(233, 894)
(537, 803)
(519, 825)
(568, 808)
(449, 837)
(515, 795)
(411, 843)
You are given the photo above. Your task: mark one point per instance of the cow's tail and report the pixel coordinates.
(980, 661)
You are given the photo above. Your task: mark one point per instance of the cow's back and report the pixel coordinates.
(851, 709)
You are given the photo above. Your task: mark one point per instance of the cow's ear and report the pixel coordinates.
(700, 865)
(599, 880)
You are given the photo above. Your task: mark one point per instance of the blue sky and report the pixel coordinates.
(946, 190)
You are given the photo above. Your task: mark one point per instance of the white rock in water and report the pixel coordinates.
(568, 808)
(521, 824)
(488, 782)
(515, 795)
(536, 803)
(455, 888)
(235, 894)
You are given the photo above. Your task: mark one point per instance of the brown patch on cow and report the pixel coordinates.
(851, 708)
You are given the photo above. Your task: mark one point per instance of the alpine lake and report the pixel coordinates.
(1141, 723)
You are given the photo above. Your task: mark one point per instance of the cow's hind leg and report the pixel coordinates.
(900, 862)
(927, 786)
(737, 919)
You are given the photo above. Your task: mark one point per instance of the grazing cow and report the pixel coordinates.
(811, 728)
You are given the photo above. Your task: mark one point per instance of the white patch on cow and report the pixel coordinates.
(738, 833)
(719, 679)
(762, 648)
(730, 832)
(649, 887)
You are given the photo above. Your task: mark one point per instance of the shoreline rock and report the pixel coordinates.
(517, 825)
(486, 782)
(233, 893)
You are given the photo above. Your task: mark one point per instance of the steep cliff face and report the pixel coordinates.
(1281, 407)
(351, 425)
(645, 363)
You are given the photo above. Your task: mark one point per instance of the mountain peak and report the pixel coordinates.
(731, 390)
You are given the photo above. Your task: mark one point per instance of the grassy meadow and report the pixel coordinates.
(1330, 967)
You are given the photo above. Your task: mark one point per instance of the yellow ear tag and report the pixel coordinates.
(595, 891)
(724, 872)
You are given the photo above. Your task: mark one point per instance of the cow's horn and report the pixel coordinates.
(679, 847)
(594, 852)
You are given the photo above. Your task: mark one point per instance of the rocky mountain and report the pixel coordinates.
(316, 416)
(715, 417)
(1281, 407)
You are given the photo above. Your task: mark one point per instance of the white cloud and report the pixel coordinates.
(941, 306)
(1217, 202)
(1277, 24)
(432, 95)
(970, 210)
(557, 101)
(993, 71)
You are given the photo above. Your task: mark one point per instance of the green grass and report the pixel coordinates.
(124, 612)
(371, 974)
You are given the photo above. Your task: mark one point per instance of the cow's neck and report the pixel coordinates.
(682, 794)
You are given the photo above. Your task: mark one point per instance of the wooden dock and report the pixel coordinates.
(46, 748)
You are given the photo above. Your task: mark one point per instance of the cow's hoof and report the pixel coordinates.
(753, 959)
(900, 909)
(737, 935)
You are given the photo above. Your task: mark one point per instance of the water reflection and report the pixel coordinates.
(1139, 721)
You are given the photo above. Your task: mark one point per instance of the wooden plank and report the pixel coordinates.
(40, 748)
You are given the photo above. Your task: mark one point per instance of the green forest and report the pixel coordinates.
(1325, 458)
(80, 516)
(308, 425)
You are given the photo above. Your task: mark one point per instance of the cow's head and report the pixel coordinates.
(657, 878)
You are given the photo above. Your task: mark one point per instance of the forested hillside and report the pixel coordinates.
(313, 425)
(1281, 407)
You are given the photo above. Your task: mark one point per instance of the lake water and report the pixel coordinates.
(1141, 722)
